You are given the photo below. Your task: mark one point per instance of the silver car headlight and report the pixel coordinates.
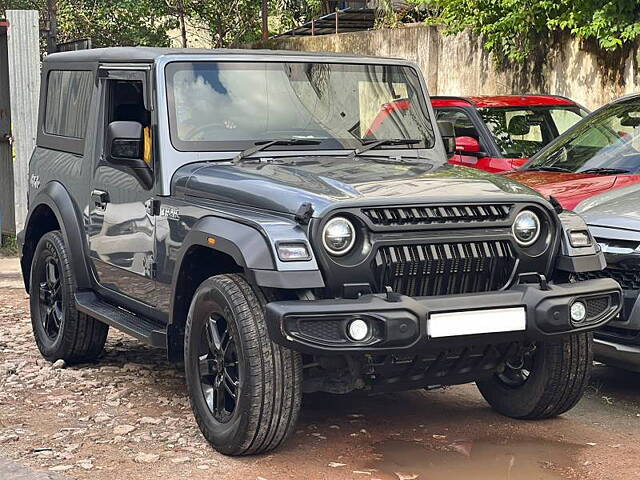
(338, 236)
(526, 228)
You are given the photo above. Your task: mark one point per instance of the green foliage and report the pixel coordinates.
(8, 245)
(513, 28)
(115, 22)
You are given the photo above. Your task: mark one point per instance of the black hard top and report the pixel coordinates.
(149, 54)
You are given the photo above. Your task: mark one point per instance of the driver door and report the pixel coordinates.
(121, 224)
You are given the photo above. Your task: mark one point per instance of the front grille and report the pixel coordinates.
(444, 268)
(427, 215)
(628, 279)
(596, 306)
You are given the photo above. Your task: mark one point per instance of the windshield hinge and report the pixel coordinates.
(304, 213)
(153, 207)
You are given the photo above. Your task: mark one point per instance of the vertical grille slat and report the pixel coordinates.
(444, 268)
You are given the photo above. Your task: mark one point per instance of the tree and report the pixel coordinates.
(513, 28)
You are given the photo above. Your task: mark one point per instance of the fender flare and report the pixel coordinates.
(58, 199)
(245, 244)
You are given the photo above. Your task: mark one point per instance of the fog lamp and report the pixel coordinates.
(293, 252)
(358, 330)
(578, 312)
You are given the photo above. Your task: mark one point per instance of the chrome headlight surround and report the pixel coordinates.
(526, 221)
(338, 229)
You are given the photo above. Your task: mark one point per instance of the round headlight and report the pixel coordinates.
(338, 236)
(526, 228)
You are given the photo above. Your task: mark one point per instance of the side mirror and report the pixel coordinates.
(467, 145)
(448, 136)
(125, 148)
(124, 143)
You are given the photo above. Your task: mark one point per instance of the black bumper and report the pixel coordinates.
(401, 324)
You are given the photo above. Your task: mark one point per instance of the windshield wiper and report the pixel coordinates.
(550, 168)
(263, 145)
(605, 171)
(370, 145)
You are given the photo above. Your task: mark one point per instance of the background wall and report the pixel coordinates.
(458, 65)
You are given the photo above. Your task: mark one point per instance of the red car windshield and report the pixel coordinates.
(606, 142)
(522, 132)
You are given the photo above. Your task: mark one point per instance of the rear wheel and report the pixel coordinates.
(245, 390)
(545, 381)
(60, 331)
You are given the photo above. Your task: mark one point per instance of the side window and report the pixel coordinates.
(68, 103)
(564, 118)
(462, 124)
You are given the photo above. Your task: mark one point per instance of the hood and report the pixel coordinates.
(568, 188)
(616, 208)
(325, 181)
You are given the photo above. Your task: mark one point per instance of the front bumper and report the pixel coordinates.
(401, 324)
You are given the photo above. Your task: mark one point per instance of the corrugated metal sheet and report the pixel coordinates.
(6, 157)
(24, 85)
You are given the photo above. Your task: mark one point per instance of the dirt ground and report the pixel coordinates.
(128, 417)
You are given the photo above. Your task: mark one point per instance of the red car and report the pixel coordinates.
(500, 133)
(600, 153)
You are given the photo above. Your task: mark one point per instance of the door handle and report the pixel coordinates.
(100, 199)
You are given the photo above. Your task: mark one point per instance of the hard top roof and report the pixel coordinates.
(482, 101)
(150, 54)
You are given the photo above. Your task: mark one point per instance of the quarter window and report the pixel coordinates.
(68, 103)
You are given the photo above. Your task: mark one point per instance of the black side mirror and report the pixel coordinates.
(125, 148)
(448, 134)
(124, 142)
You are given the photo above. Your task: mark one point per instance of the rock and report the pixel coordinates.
(101, 418)
(336, 464)
(180, 460)
(85, 464)
(59, 364)
(123, 429)
(150, 421)
(10, 437)
(61, 468)
(146, 458)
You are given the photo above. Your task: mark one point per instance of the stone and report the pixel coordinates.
(59, 364)
(146, 458)
(123, 429)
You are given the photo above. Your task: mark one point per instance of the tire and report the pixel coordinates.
(559, 371)
(228, 352)
(60, 331)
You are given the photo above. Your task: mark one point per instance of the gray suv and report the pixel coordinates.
(288, 223)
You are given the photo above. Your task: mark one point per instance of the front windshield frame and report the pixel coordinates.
(429, 141)
(595, 120)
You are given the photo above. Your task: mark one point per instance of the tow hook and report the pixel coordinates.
(534, 277)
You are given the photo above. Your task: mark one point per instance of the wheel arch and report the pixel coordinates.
(212, 247)
(52, 208)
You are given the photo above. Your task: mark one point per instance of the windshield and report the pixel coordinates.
(606, 142)
(521, 133)
(216, 106)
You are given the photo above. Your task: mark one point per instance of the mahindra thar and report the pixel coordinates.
(275, 221)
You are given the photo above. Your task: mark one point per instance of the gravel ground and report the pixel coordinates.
(128, 417)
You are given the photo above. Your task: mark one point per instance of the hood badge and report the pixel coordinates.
(172, 213)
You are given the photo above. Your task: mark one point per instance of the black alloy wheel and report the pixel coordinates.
(50, 297)
(218, 367)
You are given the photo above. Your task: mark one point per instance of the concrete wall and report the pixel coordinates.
(458, 65)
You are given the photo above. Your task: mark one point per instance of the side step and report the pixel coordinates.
(145, 330)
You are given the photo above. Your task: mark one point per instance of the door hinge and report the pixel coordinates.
(153, 207)
(150, 266)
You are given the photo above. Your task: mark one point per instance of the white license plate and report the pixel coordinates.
(473, 322)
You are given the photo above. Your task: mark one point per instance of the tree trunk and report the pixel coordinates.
(52, 34)
(183, 25)
(265, 20)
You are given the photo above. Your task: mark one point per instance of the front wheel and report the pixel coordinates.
(546, 381)
(245, 390)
